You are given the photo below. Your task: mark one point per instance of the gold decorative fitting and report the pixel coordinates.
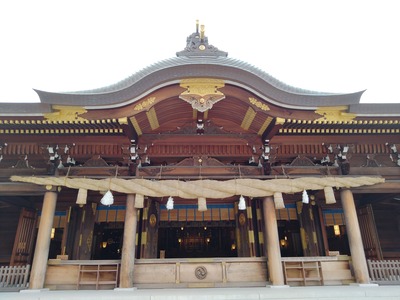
(136, 125)
(279, 121)
(258, 104)
(335, 114)
(248, 118)
(152, 117)
(265, 125)
(65, 113)
(123, 121)
(202, 93)
(145, 103)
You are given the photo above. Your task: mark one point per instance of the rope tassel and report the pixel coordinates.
(82, 197)
(278, 200)
(329, 195)
(139, 201)
(202, 204)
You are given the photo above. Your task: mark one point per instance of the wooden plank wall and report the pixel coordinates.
(9, 216)
(387, 219)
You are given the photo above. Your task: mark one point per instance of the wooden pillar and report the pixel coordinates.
(354, 236)
(275, 269)
(39, 264)
(128, 247)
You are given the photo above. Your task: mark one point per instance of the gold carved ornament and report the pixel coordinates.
(258, 104)
(202, 93)
(145, 104)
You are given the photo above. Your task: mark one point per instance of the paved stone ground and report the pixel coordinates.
(268, 293)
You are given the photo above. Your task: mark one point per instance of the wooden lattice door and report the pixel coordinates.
(369, 233)
(24, 238)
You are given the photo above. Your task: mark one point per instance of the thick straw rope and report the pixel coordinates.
(204, 188)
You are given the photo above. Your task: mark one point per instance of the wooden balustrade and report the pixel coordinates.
(320, 270)
(384, 271)
(14, 277)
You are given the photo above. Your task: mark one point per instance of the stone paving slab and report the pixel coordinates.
(281, 293)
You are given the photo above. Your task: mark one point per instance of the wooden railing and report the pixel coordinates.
(158, 273)
(303, 272)
(318, 270)
(98, 274)
(14, 277)
(384, 271)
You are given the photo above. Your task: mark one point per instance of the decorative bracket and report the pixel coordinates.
(202, 93)
(335, 113)
(66, 113)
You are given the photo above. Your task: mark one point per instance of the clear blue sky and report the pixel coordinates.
(330, 46)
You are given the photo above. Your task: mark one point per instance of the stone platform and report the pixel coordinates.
(353, 292)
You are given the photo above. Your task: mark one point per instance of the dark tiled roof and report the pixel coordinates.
(171, 71)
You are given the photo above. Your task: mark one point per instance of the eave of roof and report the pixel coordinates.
(171, 71)
(24, 109)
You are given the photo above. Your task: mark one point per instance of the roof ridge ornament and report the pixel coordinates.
(197, 45)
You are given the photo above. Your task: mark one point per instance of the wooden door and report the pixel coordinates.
(310, 239)
(79, 235)
(24, 238)
(369, 233)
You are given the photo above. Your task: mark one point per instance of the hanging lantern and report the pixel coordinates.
(170, 203)
(242, 203)
(278, 200)
(82, 196)
(202, 204)
(329, 195)
(305, 200)
(108, 198)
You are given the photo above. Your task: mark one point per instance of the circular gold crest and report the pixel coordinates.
(153, 220)
(202, 47)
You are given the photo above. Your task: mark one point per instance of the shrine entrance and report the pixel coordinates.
(197, 239)
(186, 232)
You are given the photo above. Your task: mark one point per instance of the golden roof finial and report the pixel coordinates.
(202, 32)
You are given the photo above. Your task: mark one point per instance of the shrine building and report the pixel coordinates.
(199, 171)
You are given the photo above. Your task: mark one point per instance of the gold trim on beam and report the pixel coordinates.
(335, 114)
(65, 113)
(248, 118)
(264, 126)
(122, 121)
(152, 117)
(279, 121)
(136, 125)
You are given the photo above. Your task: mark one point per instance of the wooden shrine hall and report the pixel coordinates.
(198, 171)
